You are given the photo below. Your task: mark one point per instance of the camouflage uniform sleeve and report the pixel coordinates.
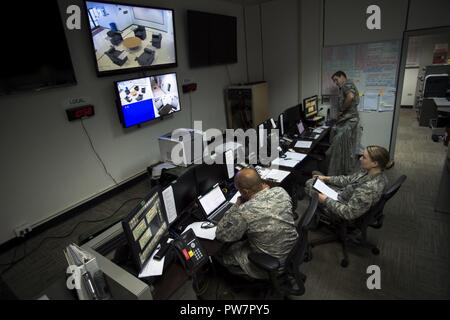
(341, 181)
(347, 88)
(360, 202)
(232, 226)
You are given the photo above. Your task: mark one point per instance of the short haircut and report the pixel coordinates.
(339, 74)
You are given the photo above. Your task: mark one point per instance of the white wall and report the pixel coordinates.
(47, 166)
(281, 51)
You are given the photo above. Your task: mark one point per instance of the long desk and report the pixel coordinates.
(174, 275)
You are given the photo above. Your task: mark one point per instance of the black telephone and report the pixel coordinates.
(191, 252)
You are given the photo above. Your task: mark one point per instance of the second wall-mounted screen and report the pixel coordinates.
(145, 99)
(127, 38)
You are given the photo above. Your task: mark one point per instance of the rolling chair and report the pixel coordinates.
(372, 218)
(285, 277)
(146, 58)
(115, 37)
(140, 32)
(116, 56)
(156, 40)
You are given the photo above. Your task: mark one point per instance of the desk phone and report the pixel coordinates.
(191, 252)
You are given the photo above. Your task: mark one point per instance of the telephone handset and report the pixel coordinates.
(191, 252)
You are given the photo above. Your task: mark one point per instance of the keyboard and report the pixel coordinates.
(218, 215)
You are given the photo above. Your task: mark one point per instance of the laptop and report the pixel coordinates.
(214, 204)
(307, 134)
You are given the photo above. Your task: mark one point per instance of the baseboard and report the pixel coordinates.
(406, 107)
(6, 246)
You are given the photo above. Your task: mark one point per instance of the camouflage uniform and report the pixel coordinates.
(268, 222)
(357, 193)
(345, 135)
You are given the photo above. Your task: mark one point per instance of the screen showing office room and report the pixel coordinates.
(145, 226)
(128, 38)
(311, 106)
(145, 99)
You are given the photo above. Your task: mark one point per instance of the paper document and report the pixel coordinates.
(318, 130)
(303, 144)
(235, 198)
(326, 190)
(204, 233)
(285, 162)
(295, 156)
(169, 204)
(153, 267)
(277, 175)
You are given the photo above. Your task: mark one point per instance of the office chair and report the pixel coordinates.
(156, 40)
(116, 56)
(285, 277)
(372, 218)
(115, 37)
(140, 32)
(146, 58)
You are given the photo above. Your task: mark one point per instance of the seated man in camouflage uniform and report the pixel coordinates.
(264, 216)
(357, 192)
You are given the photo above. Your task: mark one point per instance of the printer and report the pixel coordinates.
(188, 144)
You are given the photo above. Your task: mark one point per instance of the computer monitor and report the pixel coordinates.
(229, 161)
(292, 116)
(207, 176)
(311, 107)
(145, 226)
(184, 190)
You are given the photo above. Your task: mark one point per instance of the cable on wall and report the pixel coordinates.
(96, 153)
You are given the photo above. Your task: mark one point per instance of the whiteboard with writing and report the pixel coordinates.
(373, 68)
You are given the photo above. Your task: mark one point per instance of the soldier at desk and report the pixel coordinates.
(262, 214)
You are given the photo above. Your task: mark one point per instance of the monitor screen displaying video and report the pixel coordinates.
(311, 106)
(145, 99)
(128, 38)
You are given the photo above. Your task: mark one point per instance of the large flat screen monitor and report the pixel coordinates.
(34, 52)
(145, 99)
(128, 37)
(212, 39)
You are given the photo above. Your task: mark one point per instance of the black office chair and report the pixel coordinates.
(115, 37)
(140, 32)
(285, 277)
(372, 218)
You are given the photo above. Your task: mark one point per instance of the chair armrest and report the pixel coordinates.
(264, 261)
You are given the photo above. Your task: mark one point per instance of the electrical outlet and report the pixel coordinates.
(22, 230)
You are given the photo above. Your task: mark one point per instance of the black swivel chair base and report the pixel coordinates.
(342, 237)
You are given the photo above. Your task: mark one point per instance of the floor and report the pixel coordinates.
(414, 241)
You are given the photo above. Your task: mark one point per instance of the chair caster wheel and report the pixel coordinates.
(376, 251)
(344, 263)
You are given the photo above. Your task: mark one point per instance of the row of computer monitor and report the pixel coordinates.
(288, 120)
(149, 222)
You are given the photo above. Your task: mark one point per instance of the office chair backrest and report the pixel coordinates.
(309, 213)
(374, 215)
(298, 252)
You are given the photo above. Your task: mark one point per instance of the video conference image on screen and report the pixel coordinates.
(126, 37)
(148, 98)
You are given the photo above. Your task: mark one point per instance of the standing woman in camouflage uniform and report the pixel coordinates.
(345, 134)
(360, 191)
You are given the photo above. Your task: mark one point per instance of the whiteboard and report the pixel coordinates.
(373, 68)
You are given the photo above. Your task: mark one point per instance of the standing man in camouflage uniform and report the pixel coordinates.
(265, 216)
(345, 135)
(357, 192)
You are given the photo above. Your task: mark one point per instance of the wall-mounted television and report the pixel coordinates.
(34, 52)
(212, 39)
(145, 99)
(128, 38)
